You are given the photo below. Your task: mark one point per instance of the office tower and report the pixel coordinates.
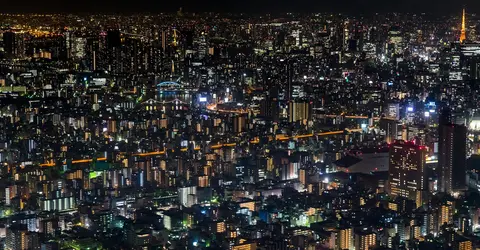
(346, 34)
(9, 43)
(14, 44)
(154, 57)
(239, 123)
(290, 171)
(474, 67)
(113, 39)
(390, 127)
(279, 40)
(269, 108)
(79, 47)
(58, 48)
(344, 239)
(299, 111)
(289, 73)
(445, 116)
(92, 53)
(365, 240)
(395, 43)
(133, 59)
(188, 39)
(114, 51)
(69, 43)
(202, 46)
(452, 150)
(407, 173)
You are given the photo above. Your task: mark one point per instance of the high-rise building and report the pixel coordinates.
(289, 73)
(452, 153)
(48, 226)
(299, 111)
(269, 108)
(345, 239)
(187, 196)
(9, 43)
(92, 53)
(407, 173)
(239, 123)
(463, 244)
(18, 238)
(396, 43)
(245, 246)
(102, 220)
(365, 240)
(302, 176)
(113, 38)
(390, 127)
(445, 214)
(14, 44)
(114, 51)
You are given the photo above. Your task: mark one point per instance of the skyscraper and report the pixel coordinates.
(114, 53)
(14, 44)
(113, 39)
(134, 59)
(269, 108)
(452, 150)
(299, 111)
(391, 129)
(9, 43)
(407, 173)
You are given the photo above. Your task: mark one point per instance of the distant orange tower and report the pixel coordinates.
(463, 35)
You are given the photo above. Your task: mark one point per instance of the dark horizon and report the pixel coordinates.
(248, 6)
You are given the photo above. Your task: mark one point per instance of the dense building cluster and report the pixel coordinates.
(241, 132)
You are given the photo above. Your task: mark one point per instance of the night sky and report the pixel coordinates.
(251, 6)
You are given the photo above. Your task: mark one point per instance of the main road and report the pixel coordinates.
(218, 146)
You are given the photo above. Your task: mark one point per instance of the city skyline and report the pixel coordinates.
(202, 130)
(249, 6)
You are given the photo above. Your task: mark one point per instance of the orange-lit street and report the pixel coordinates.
(217, 146)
